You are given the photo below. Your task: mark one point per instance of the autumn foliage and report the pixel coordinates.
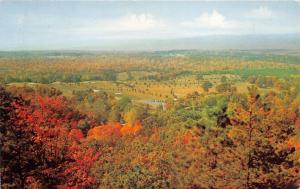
(251, 141)
(105, 132)
(48, 142)
(131, 129)
(113, 130)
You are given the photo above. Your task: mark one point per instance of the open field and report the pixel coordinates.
(139, 90)
(157, 76)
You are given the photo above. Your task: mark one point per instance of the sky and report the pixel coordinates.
(43, 25)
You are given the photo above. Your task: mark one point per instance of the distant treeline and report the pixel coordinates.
(46, 78)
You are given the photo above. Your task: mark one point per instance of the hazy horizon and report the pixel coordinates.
(143, 25)
(209, 42)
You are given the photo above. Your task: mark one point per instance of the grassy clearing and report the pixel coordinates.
(142, 90)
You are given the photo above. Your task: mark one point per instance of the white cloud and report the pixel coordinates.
(210, 20)
(297, 1)
(127, 26)
(262, 12)
(133, 22)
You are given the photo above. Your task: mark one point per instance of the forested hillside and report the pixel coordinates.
(177, 119)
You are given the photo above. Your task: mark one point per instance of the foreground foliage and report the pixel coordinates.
(226, 140)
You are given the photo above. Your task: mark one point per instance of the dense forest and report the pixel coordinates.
(174, 119)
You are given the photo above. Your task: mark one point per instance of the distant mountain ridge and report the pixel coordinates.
(206, 43)
(213, 42)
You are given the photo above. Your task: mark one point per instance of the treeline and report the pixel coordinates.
(201, 141)
(48, 77)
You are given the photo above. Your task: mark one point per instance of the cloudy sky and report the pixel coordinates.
(66, 24)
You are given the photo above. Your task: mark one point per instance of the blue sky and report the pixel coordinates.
(66, 24)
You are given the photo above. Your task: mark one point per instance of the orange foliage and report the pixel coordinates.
(105, 131)
(185, 138)
(294, 142)
(131, 129)
(297, 124)
(111, 130)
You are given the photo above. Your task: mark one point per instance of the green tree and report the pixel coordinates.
(207, 85)
(223, 79)
(114, 115)
(225, 87)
